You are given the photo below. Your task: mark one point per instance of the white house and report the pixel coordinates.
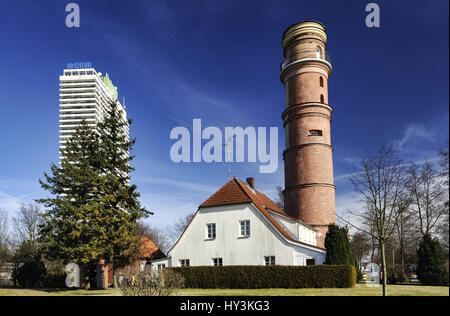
(238, 225)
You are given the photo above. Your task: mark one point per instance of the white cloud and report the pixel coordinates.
(413, 134)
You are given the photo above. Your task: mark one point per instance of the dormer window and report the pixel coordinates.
(315, 132)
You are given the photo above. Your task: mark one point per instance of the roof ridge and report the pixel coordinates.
(242, 188)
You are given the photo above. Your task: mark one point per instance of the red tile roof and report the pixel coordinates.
(230, 193)
(149, 250)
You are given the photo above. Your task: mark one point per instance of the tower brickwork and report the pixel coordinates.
(309, 190)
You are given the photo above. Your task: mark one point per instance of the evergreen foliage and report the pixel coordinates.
(93, 212)
(29, 270)
(431, 267)
(268, 277)
(338, 248)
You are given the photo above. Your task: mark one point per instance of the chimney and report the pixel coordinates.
(251, 182)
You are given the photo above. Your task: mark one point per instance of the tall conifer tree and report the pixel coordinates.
(71, 221)
(120, 198)
(94, 213)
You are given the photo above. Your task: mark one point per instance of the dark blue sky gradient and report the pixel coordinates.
(177, 60)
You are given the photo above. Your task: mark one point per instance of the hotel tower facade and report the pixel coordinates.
(85, 94)
(308, 159)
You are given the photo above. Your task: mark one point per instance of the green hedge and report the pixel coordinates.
(265, 277)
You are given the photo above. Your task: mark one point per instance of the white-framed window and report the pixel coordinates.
(161, 267)
(185, 263)
(217, 262)
(211, 231)
(269, 261)
(244, 228)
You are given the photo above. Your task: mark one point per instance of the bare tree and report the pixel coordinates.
(360, 245)
(444, 164)
(4, 232)
(26, 222)
(380, 184)
(279, 200)
(4, 238)
(179, 226)
(158, 236)
(444, 225)
(429, 196)
(404, 228)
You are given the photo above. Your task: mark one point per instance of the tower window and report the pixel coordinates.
(322, 99)
(318, 52)
(315, 132)
(321, 81)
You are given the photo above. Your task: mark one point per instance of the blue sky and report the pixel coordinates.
(219, 61)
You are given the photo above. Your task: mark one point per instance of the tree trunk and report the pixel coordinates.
(383, 267)
(116, 284)
(402, 255)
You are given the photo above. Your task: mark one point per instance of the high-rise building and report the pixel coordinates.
(85, 94)
(309, 190)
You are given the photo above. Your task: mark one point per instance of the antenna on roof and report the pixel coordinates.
(229, 152)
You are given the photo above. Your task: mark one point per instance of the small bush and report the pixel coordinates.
(263, 277)
(149, 282)
(395, 274)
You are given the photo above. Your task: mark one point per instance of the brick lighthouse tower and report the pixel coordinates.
(309, 190)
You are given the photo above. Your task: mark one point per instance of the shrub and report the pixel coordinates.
(431, 269)
(29, 274)
(395, 274)
(261, 277)
(134, 282)
(54, 280)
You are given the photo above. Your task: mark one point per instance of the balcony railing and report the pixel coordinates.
(307, 54)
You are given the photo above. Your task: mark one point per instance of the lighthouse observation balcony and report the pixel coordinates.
(305, 55)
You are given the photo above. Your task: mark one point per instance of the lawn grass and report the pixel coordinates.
(57, 292)
(359, 290)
